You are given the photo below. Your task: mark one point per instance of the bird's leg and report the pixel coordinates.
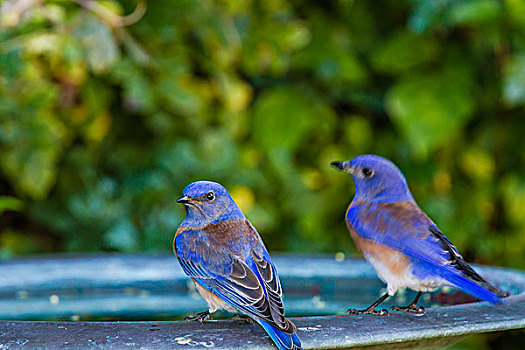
(412, 307)
(242, 318)
(201, 317)
(371, 309)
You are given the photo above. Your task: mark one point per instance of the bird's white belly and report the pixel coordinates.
(402, 278)
(394, 279)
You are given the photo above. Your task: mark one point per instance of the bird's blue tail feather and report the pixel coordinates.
(467, 285)
(283, 340)
(473, 288)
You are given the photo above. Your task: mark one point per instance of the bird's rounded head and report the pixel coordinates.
(376, 179)
(208, 202)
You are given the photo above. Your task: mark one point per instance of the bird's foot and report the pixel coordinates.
(242, 318)
(371, 311)
(410, 308)
(201, 317)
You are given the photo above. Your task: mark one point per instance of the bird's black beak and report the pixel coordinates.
(183, 200)
(345, 166)
(338, 165)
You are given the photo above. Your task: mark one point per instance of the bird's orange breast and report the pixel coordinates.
(396, 262)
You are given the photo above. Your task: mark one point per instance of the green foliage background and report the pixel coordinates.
(104, 119)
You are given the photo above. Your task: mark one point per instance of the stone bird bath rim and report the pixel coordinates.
(146, 287)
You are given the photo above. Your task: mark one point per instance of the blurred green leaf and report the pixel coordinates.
(181, 98)
(217, 152)
(358, 132)
(138, 94)
(516, 11)
(429, 14)
(514, 199)
(14, 243)
(430, 110)
(404, 51)
(478, 164)
(10, 203)
(476, 12)
(514, 81)
(101, 50)
(283, 116)
(30, 152)
(330, 56)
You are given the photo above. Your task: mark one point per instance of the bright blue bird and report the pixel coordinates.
(226, 259)
(405, 247)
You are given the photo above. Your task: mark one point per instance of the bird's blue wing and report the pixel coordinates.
(402, 226)
(249, 281)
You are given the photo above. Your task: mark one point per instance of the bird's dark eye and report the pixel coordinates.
(367, 172)
(210, 196)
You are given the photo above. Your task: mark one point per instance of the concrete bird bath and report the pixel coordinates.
(40, 297)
